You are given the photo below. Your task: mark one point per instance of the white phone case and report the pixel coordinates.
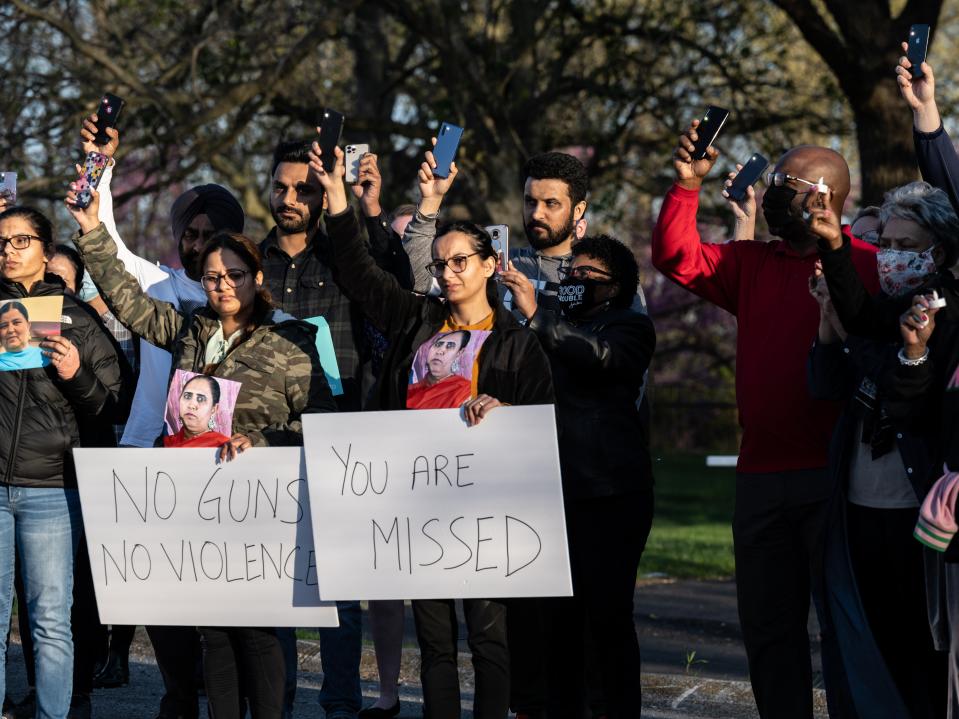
(353, 154)
(8, 187)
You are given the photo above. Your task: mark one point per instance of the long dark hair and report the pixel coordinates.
(214, 387)
(482, 244)
(8, 306)
(249, 254)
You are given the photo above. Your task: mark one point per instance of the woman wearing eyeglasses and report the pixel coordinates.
(41, 413)
(507, 366)
(237, 336)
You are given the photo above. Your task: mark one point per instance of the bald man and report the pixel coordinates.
(782, 484)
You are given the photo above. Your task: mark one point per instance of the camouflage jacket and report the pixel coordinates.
(278, 366)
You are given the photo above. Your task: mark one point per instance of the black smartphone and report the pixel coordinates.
(331, 130)
(918, 46)
(107, 115)
(713, 120)
(447, 140)
(746, 178)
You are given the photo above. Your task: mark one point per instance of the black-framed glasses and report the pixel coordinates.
(18, 242)
(457, 263)
(231, 278)
(583, 272)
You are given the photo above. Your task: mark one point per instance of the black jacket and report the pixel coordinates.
(40, 413)
(512, 367)
(598, 366)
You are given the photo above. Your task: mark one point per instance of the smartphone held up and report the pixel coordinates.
(747, 177)
(713, 120)
(444, 152)
(500, 236)
(352, 156)
(918, 47)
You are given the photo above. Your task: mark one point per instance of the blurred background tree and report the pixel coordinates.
(212, 85)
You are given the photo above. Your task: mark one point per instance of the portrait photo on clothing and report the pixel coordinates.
(199, 410)
(24, 324)
(442, 373)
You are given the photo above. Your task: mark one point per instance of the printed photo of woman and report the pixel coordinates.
(445, 372)
(15, 338)
(199, 414)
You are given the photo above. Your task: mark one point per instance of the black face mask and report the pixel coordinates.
(778, 210)
(576, 297)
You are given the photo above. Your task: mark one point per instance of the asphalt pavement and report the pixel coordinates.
(694, 666)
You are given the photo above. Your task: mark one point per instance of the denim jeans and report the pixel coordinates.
(340, 649)
(43, 525)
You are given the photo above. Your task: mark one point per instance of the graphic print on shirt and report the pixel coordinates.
(443, 375)
(199, 410)
(24, 324)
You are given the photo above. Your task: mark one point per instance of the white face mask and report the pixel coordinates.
(901, 271)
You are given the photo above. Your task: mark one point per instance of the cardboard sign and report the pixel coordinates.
(177, 539)
(420, 506)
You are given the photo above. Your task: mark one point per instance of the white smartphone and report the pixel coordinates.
(352, 160)
(500, 236)
(8, 187)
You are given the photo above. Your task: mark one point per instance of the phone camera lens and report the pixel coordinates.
(495, 234)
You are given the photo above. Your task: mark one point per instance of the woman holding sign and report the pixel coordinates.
(237, 336)
(41, 412)
(500, 361)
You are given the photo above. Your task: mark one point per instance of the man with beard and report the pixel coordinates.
(196, 215)
(298, 272)
(782, 484)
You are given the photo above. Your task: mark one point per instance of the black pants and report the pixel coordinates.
(177, 651)
(243, 662)
(437, 634)
(889, 571)
(607, 536)
(777, 537)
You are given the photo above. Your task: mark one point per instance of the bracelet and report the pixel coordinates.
(907, 362)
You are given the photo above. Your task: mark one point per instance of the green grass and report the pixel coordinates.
(692, 527)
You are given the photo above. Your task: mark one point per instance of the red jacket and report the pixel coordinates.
(766, 286)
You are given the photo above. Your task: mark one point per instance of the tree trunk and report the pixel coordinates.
(884, 136)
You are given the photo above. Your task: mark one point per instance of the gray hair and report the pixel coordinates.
(930, 208)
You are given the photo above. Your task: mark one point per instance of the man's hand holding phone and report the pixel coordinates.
(368, 185)
(88, 135)
(433, 188)
(919, 93)
(332, 182)
(690, 172)
(744, 209)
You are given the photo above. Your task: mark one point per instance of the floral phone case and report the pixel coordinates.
(93, 168)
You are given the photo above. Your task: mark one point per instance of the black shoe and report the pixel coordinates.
(377, 713)
(80, 707)
(115, 673)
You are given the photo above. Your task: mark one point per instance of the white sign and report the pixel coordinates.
(420, 506)
(178, 539)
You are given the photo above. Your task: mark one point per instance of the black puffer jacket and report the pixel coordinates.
(598, 367)
(512, 365)
(40, 413)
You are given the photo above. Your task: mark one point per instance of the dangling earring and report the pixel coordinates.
(211, 424)
(455, 367)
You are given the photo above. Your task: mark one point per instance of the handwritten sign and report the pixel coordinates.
(177, 539)
(420, 506)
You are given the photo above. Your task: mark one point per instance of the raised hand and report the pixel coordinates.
(86, 217)
(332, 182)
(823, 222)
(63, 355)
(744, 210)
(919, 93)
(433, 188)
(916, 326)
(690, 172)
(89, 132)
(368, 185)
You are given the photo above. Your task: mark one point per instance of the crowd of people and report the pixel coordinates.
(846, 384)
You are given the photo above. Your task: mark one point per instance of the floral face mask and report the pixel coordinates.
(901, 271)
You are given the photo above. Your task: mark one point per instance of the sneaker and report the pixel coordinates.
(80, 707)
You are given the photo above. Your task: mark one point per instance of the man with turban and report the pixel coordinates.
(196, 215)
